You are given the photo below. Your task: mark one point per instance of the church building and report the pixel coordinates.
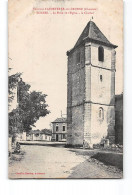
(91, 88)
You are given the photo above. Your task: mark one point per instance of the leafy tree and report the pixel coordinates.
(33, 105)
(15, 121)
(12, 84)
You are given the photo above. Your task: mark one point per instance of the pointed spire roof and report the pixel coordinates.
(93, 34)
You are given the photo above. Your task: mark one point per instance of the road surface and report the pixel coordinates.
(57, 162)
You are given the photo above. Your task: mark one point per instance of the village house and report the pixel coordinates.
(59, 129)
(37, 135)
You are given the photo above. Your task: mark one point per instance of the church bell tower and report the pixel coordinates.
(91, 88)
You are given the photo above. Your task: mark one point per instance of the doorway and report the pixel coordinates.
(56, 137)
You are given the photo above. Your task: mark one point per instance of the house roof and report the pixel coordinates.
(93, 34)
(60, 120)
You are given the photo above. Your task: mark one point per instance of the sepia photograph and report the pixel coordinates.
(65, 89)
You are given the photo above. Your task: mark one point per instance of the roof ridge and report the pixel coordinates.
(61, 119)
(87, 26)
(94, 34)
(99, 31)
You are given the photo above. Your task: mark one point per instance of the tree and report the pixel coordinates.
(12, 84)
(15, 121)
(32, 105)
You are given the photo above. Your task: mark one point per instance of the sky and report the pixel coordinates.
(38, 44)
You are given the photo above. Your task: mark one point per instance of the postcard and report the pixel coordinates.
(65, 89)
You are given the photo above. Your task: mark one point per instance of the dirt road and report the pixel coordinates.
(57, 162)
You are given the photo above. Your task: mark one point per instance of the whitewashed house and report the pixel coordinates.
(37, 135)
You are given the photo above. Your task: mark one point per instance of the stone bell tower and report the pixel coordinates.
(91, 88)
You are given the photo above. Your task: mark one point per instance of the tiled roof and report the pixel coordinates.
(60, 120)
(93, 34)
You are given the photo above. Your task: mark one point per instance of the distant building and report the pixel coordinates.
(37, 135)
(119, 119)
(59, 129)
(20, 136)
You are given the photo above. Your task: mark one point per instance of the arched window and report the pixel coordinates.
(100, 53)
(101, 113)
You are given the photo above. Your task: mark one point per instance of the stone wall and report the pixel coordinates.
(87, 93)
(107, 56)
(87, 122)
(77, 125)
(119, 119)
(76, 97)
(100, 90)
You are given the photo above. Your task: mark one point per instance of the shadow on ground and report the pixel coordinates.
(113, 159)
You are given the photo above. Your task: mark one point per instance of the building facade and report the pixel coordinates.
(59, 129)
(91, 88)
(37, 135)
(119, 119)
